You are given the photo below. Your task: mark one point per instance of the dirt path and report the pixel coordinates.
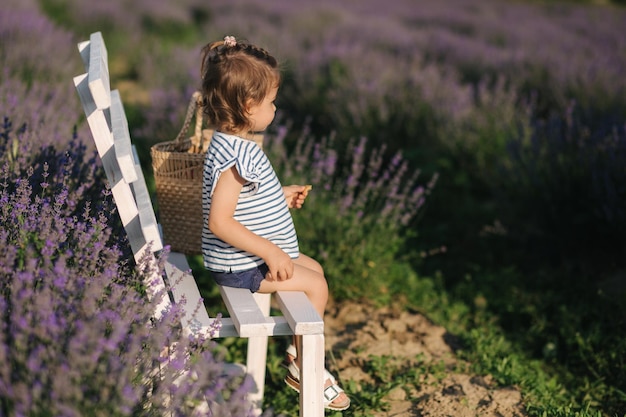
(354, 332)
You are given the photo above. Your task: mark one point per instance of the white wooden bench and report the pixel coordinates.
(249, 313)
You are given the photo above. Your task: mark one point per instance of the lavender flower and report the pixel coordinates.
(78, 336)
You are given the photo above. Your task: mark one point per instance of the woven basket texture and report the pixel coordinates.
(178, 179)
(177, 167)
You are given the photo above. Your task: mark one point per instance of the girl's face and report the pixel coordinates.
(262, 114)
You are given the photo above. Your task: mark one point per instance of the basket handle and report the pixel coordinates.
(194, 107)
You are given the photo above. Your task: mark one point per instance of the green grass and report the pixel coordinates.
(486, 348)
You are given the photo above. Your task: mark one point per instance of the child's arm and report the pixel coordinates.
(225, 227)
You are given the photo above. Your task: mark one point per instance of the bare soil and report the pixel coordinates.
(355, 331)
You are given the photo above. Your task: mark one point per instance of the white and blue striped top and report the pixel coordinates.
(261, 207)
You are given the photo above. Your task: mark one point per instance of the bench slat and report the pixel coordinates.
(299, 312)
(149, 226)
(99, 83)
(84, 49)
(196, 320)
(121, 138)
(103, 138)
(245, 312)
(186, 294)
(185, 290)
(98, 123)
(248, 317)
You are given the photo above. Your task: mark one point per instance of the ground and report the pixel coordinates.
(355, 331)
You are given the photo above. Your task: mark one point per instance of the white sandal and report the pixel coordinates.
(331, 392)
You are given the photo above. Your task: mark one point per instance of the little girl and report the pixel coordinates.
(248, 239)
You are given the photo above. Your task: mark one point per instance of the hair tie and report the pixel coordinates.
(230, 41)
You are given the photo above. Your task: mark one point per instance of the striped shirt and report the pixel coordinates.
(261, 206)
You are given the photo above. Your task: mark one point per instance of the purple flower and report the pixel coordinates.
(78, 333)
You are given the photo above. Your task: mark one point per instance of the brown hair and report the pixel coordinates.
(235, 75)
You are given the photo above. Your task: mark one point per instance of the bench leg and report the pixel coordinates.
(256, 363)
(312, 375)
(257, 357)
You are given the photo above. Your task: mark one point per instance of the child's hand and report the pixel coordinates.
(296, 194)
(280, 266)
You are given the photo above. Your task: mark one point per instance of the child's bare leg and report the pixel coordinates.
(309, 278)
(313, 265)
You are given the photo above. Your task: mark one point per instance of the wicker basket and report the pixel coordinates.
(177, 167)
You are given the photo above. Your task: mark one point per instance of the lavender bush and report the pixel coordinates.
(78, 336)
(357, 200)
(129, 19)
(574, 177)
(359, 68)
(34, 86)
(29, 27)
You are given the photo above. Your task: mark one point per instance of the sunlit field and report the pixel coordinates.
(467, 161)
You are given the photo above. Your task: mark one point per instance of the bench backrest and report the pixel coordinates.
(107, 120)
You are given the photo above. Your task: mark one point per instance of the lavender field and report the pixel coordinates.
(483, 140)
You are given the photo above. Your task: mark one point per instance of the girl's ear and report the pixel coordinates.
(249, 105)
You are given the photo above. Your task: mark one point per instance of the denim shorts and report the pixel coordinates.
(250, 278)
